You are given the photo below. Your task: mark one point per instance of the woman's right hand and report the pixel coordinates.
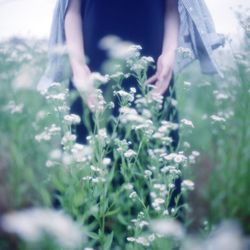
(83, 82)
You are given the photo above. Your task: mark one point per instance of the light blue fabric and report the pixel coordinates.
(196, 34)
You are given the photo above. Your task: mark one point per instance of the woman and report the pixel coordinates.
(197, 35)
(152, 24)
(159, 26)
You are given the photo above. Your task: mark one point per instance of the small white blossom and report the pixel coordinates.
(187, 184)
(50, 164)
(102, 132)
(218, 118)
(195, 153)
(55, 154)
(106, 161)
(148, 173)
(186, 144)
(187, 83)
(44, 136)
(168, 227)
(143, 241)
(125, 94)
(187, 122)
(68, 137)
(31, 224)
(57, 97)
(143, 224)
(128, 186)
(131, 239)
(53, 129)
(13, 107)
(72, 119)
(133, 195)
(96, 76)
(130, 153)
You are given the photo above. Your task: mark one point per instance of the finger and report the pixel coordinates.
(92, 103)
(152, 79)
(164, 73)
(163, 86)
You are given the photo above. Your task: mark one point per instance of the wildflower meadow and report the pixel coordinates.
(118, 190)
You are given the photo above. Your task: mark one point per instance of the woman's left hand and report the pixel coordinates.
(162, 77)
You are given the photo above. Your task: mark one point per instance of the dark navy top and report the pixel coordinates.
(138, 21)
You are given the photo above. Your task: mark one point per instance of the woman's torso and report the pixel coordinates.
(138, 21)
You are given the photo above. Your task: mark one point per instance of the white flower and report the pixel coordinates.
(53, 129)
(81, 153)
(95, 169)
(96, 76)
(125, 94)
(131, 239)
(50, 164)
(67, 159)
(187, 122)
(130, 115)
(44, 136)
(186, 144)
(117, 75)
(41, 115)
(159, 201)
(88, 178)
(185, 52)
(218, 118)
(143, 241)
(195, 153)
(13, 107)
(133, 195)
(106, 161)
(179, 158)
(170, 156)
(167, 227)
(142, 224)
(55, 154)
(187, 83)
(132, 90)
(187, 184)
(167, 126)
(68, 137)
(128, 186)
(102, 132)
(165, 212)
(117, 48)
(31, 224)
(149, 59)
(159, 186)
(57, 97)
(151, 237)
(54, 85)
(72, 119)
(130, 153)
(148, 173)
(174, 102)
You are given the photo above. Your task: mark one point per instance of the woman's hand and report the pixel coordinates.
(84, 84)
(162, 77)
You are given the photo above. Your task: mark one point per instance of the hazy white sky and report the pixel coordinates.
(33, 17)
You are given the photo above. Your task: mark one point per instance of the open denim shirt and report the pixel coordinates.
(197, 36)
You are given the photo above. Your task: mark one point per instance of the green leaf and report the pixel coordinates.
(122, 219)
(113, 212)
(78, 199)
(108, 242)
(93, 235)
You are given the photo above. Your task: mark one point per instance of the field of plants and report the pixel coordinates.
(116, 191)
